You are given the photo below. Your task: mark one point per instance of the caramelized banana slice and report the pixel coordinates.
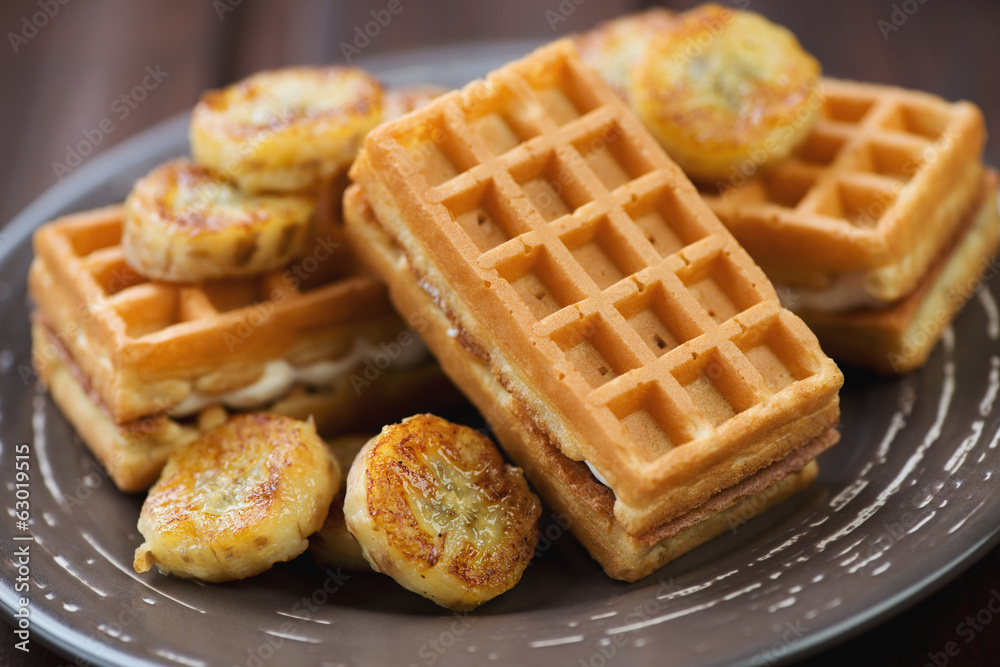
(184, 223)
(434, 506)
(242, 497)
(726, 91)
(286, 130)
(333, 545)
(617, 46)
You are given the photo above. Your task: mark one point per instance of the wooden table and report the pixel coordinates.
(75, 80)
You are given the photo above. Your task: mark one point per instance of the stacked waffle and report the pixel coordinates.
(624, 348)
(880, 226)
(867, 205)
(146, 338)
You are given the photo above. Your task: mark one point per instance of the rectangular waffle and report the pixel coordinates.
(582, 268)
(870, 198)
(136, 364)
(569, 487)
(147, 346)
(900, 338)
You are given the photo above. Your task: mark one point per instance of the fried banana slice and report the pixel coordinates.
(435, 507)
(185, 223)
(726, 91)
(616, 47)
(286, 130)
(333, 545)
(242, 497)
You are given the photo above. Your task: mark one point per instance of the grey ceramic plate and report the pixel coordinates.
(903, 503)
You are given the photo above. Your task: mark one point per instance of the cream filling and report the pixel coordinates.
(597, 475)
(846, 292)
(279, 376)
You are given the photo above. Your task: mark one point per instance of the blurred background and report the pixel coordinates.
(92, 73)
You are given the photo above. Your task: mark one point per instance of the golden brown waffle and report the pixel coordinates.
(878, 187)
(568, 487)
(133, 453)
(146, 346)
(578, 262)
(899, 339)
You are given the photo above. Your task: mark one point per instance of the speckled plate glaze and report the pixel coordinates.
(902, 503)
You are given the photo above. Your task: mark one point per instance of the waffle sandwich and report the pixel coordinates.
(624, 348)
(875, 230)
(140, 367)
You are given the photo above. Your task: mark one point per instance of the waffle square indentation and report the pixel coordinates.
(860, 205)
(659, 318)
(719, 286)
(894, 160)
(594, 350)
(820, 148)
(667, 225)
(612, 157)
(86, 240)
(602, 251)
(148, 308)
(784, 188)
(562, 92)
(484, 216)
(775, 352)
(436, 153)
(924, 121)
(496, 133)
(114, 275)
(541, 283)
(654, 422)
(551, 186)
(846, 109)
(498, 116)
(715, 389)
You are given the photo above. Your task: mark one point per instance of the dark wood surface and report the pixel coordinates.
(61, 81)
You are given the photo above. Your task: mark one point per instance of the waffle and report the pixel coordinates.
(137, 365)
(580, 265)
(148, 347)
(569, 487)
(133, 453)
(867, 202)
(899, 339)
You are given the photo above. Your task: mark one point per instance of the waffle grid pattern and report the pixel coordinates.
(146, 344)
(872, 148)
(661, 318)
(144, 310)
